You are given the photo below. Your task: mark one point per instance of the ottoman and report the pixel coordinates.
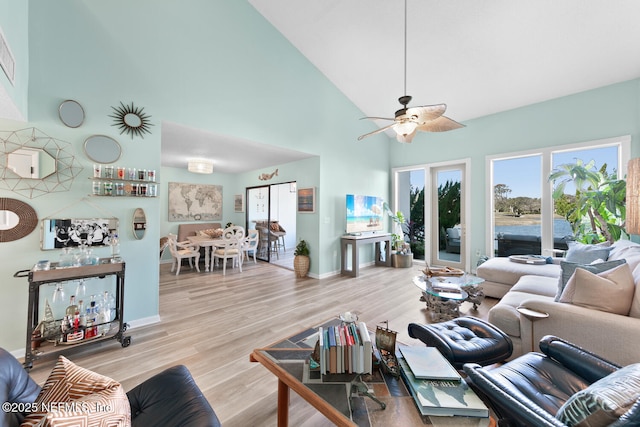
(465, 340)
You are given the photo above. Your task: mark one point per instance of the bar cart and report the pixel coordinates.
(36, 346)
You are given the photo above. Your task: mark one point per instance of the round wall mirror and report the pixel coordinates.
(32, 163)
(102, 149)
(17, 219)
(71, 113)
(139, 223)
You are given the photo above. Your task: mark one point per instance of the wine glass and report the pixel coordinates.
(81, 290)
(58, 300)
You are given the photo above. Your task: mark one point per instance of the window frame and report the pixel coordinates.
(546, 203)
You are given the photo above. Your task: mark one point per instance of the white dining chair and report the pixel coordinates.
(230, 247)
(251, 245)
(182, 250)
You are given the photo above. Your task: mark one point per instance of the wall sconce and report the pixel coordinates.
(200, 166)
(632, 221)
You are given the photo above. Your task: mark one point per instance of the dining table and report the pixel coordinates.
(208, 243)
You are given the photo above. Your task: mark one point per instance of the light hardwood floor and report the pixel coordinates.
(211, 323)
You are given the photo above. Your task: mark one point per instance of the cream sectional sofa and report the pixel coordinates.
(614, 336)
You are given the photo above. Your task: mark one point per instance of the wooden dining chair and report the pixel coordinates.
(230, 247)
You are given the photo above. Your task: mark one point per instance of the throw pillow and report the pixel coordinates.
(604, 401)
(79, 397)
(611, 291)
(586, 254)
(567, 269)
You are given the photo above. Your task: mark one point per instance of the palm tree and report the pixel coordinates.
(599, 211)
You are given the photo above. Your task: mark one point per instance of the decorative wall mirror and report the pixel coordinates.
(17, 219)
(71, 113)
(35, 164)
(139, 223)
(61, 233)
(102, 149)
(31, 163)
(132, 120)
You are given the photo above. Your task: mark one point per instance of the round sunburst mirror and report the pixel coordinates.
(132, 120)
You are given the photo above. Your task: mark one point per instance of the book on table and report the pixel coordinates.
(429, 363)
(345, 349)
(443, 397)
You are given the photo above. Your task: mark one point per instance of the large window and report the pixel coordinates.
(524, 219)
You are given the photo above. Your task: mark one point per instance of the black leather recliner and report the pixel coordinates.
(529, 390)
(170, 398)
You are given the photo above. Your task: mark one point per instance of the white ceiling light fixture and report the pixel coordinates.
(200, 166)
(407, 121)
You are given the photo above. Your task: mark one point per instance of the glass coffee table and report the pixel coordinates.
(338, 399)
(444, 294)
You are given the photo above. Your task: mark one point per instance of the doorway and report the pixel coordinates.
(271, 211)
(448, 216)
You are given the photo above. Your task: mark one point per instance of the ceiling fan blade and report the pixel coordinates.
(377, 118)
(441, 124)
(426, 113)
(382, 129)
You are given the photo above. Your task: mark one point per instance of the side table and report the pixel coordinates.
(533, 316)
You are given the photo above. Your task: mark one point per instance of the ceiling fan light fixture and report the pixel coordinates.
(204, 166)
(405, 128)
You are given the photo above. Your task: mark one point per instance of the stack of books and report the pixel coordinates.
(345, 349)
(437, 388)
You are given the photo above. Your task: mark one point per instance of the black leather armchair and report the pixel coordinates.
(529, 390)
(168, 399)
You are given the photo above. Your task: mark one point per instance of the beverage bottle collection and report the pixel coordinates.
(84, 321)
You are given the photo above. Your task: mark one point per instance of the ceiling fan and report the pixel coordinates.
(409, 120)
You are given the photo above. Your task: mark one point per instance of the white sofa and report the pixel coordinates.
(614, 336)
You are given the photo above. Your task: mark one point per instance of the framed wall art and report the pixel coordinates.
(195, 202)
(238, 203)
(307, 200)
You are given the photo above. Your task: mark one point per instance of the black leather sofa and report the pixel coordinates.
(168, 399)
(530, 390)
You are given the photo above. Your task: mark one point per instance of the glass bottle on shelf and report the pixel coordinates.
(115, 248)
(72, 307)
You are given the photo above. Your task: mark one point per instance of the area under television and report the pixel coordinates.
(364, 213)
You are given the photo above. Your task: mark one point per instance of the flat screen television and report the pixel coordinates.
(364, 214)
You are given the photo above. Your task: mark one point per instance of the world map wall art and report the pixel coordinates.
(195, 202)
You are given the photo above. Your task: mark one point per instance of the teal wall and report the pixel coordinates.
(14, 18)
(222, 69)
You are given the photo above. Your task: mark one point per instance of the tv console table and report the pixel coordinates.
(355, 242)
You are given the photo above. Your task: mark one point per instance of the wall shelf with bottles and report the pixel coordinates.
(121, 181)
(63, 333)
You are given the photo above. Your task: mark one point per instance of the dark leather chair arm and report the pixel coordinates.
(16, 386)
(171, 399)
(584, 363)
(525, 412)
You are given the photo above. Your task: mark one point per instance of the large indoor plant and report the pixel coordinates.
(301, 260)
(401, 255)
(598, 210)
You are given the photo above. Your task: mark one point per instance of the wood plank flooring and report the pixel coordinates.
(211, 323)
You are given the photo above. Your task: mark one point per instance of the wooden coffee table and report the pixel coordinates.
(288, 360)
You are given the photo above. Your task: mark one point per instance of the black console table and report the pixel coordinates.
(355, 242)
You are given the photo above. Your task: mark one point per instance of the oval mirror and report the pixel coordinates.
(31, 163)
(71, 113)
(139, 223)
(8, 220)
(102, 149)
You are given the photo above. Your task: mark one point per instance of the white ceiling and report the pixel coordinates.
(478, 57)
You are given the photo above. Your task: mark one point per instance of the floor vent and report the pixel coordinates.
(7, 62)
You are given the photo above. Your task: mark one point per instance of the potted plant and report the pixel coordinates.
(301, 260)
(401, 255)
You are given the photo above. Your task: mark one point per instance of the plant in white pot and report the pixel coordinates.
(301, 260)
